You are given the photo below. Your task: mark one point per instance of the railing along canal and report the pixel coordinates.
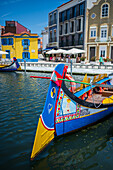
(74, 65)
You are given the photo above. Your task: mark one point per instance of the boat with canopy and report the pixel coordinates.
(71, 108)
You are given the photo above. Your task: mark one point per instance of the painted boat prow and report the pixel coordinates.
(46, 125)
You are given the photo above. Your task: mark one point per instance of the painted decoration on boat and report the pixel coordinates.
(53, 92)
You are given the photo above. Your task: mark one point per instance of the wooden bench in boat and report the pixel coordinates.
(107, 93)
(96, 98)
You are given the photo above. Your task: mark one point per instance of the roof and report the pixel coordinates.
(65, 3)
(8, 34)
(18, 35)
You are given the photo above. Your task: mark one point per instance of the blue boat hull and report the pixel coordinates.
(75, 124)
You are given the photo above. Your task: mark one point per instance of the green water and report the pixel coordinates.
(21, 102)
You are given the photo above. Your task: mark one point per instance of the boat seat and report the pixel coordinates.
(96, 98)
(107, 93)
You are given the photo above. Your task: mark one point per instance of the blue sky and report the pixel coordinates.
(33, 14)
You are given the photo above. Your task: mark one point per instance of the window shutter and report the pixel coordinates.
(23, 56)
(29, 42)
(28, 55)
(2, 41)
(23, 42)
(12, 41)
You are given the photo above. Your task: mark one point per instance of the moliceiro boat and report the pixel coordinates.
(70, 109)
(6, 66)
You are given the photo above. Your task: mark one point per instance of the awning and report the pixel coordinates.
(49, 48)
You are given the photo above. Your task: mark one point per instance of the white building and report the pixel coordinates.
(44, 34)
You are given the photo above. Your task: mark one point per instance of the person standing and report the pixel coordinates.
(101, 60)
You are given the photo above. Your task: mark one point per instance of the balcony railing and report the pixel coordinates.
(52, 22)
(25, 47)
(52, 39)
(99, 39)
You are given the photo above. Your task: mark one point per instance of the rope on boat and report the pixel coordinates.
(38, 83)
(93, 98)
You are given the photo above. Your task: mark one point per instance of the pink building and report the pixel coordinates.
(15, 27)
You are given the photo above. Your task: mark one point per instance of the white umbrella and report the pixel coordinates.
(67, 52)
(51, 52)
(3, 52)
(76, 51)
(59, 51)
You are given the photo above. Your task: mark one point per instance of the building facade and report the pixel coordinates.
(45, 37)
(100, 30)
(72, 24)
(23, 46)
(52, 28)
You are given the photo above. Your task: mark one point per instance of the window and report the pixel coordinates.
(4, 41)
(10, 41)
(92, 32)
(50, 35)
(82, 9)
(80, 39)
(55, 36)
(105, 9)
(93, 15)
(79, 24)
(61, 29)
(50, 19)
(72, 28)
(26, 55)
(103, 32)
(103, 51)
(112, 30)
(66, 28)
(68, 14)
(25, 44)
(62, 16)
(75, 12)
(54, 21)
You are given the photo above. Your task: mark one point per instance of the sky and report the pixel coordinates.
(33, 14)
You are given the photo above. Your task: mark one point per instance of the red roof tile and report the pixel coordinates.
(8, 34)
(65, 3)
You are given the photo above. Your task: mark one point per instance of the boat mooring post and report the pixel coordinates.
(71, 66)
(25, 66)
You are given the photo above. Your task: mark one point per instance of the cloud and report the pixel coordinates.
(4, 15)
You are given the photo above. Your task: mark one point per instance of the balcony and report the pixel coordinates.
(52, 22)
(99, 39)
(51, 40)
(26, 47)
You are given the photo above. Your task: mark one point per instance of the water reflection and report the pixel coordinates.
(87, 149)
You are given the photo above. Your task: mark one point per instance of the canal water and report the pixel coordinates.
(21, 102)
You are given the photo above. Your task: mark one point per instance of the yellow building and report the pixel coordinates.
(23, 46)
